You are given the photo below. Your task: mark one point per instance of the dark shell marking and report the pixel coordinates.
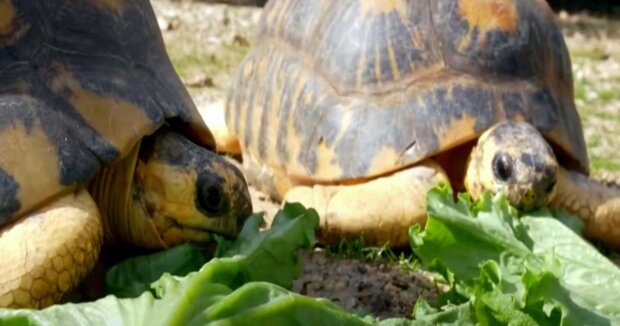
(338, 90)
(80, 83)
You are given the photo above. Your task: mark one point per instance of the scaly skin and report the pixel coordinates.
(607, 178)
(46, 254)
(596, 203)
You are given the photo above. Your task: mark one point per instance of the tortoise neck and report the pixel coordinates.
(125, 217)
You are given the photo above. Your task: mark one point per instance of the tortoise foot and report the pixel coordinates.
(596, 201)
(46, 254)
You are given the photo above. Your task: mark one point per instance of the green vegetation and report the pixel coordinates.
(596, 52)
(604, 164)
(501, 269)
(599, 104)
(356, 249)
(508, 269)
(190, 61)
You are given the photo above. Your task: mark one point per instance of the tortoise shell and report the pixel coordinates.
(336, 90)
(81, 82)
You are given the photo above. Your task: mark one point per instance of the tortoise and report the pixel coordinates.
(358, 107)
(101, 144)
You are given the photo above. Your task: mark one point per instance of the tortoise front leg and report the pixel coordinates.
(45, 255)
(381, 210)
(596, 202)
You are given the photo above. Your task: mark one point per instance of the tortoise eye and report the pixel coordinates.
(502, 166)
(210, 197)
(551, 186)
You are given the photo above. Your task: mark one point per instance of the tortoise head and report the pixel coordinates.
(515, 158)
(187, 191)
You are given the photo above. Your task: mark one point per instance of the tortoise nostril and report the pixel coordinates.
(502, 166)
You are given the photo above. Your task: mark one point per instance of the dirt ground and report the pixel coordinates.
(207, 41)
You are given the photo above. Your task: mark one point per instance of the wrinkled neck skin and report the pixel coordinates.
(125, 216)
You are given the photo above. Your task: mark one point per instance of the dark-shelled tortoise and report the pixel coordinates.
(358, 107)
(89, 100)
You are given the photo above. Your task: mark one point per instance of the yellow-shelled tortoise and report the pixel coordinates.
(358, 107)
(99, 141)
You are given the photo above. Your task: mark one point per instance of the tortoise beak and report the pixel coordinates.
(241, 202)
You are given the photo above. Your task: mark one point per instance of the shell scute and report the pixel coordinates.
(395, 82)
(375, 50)
(78, 89)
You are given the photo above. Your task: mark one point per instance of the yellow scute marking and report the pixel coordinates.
(459, 131)
(325, 158)
(490, 14)
(273, 133)
(8, 18)
(393, 64)
(11, 27)
(248, 68)
(384, 161)
(280, 20)
(378, 65)
(28, 155)
(383, 7)
(262, 65)
(116, 6)
(258, 105)
(270, 15)
(121, 123)
(294, 140)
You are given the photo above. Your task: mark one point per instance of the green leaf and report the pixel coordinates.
(494, 304)
(224, 285)
(271, 256)
(249, 258)
(502, 269)
(451, 315)
(425, 314)
(582, 276)
(532, 270)
(109, 310)
(462, 240)
(134, 276)
(268, 304)
(250, 230)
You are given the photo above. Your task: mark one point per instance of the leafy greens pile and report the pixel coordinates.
(508, 270)
(500, 269)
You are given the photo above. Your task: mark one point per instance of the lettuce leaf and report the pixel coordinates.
(515, 270)
(134, 276)
(245, 284)
(501, 269)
